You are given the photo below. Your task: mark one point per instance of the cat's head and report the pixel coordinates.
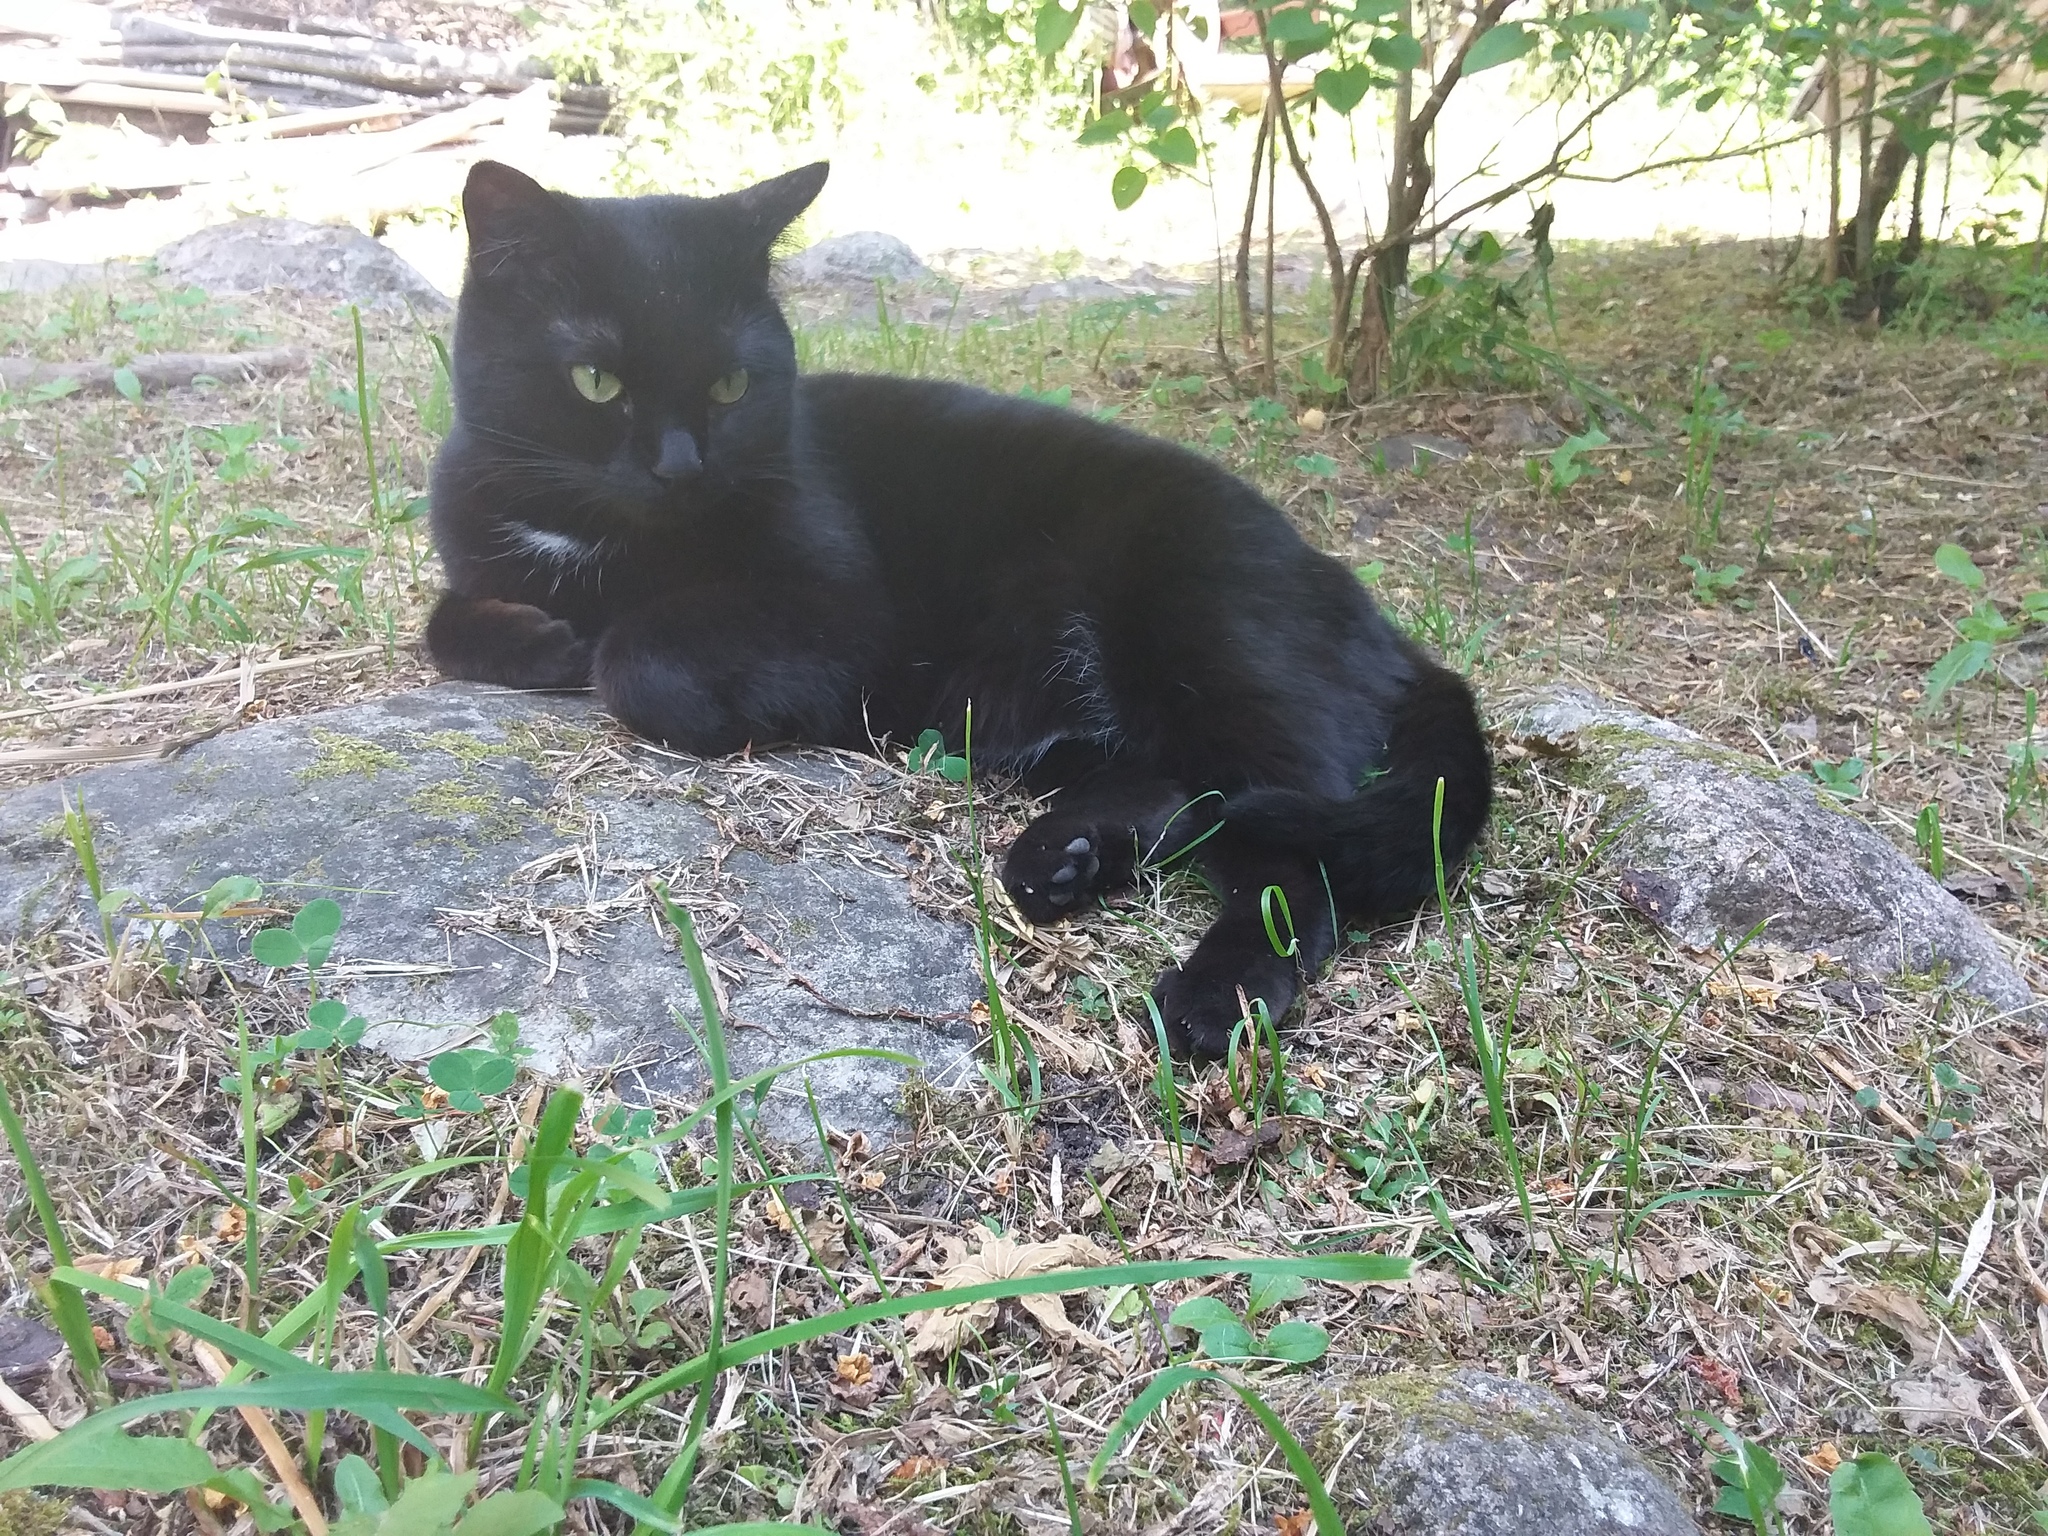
(622, 360)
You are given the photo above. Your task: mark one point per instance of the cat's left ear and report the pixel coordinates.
(768, 209)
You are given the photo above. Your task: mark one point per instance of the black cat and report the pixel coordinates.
(640, 493)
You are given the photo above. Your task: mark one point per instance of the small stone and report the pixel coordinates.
(1474, 1454)
(858, 258)
(26, 1346)
(329, 261)
(1407, 450)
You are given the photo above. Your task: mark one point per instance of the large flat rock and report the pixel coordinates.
(1709, 844)
(497, 851)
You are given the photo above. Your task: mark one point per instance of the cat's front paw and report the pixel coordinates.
(1199, 999)
(514, 645)
(1055, 868)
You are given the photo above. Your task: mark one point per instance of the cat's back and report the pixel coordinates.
(931, 445)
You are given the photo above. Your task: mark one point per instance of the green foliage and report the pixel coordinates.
(1750, 1480)
(1566, 464)
(1469, 323)
(1843, 780)
(1227, 1337)
(1170, 1381)
(1927, 838)
(1711, 583)
(1870, 1496)
(1981, 633)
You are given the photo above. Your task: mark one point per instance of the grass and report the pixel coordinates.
(1618, 1166)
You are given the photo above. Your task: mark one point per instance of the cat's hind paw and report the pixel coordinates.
(1054, 871)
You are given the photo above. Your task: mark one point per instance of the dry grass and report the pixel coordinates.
(1717, 1222)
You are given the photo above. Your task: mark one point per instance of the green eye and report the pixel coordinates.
(594, 384)
(729, 387)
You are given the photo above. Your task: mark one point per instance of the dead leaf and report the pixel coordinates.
(911, 1468)
(111, 1268)
(1670, 1262)
(1227, 1148)
(858, 1381)
(855, 1370)
(1719, 1375)
(747, 1297)
(942, 1332)
(1885, 1305)
(1946, 1397)
(1977, 885)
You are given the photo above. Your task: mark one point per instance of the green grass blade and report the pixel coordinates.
(1353, 1268)
(82, 1450)
(675, 1483)
(95, 1454)
(67, 1307)
(1168, 1382)
(530, 1254)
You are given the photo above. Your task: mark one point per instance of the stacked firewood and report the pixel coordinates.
(209, 93)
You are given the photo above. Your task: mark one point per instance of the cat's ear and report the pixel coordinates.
(502, 206)
(768, 209)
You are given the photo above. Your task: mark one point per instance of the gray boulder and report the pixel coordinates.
(1474, 1454)
(858, 258)
(475, 874)
(330, 261)
(1711, 842)
(36, 275)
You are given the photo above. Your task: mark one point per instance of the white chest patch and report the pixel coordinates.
(547, 545)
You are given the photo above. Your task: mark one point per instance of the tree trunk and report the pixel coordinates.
(1244, 237)
(1831, 250)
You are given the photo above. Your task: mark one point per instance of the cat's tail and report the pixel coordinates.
(1379, 847)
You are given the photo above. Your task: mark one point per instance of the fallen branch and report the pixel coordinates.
(275, 1451)
(163, 370)
(1856, 1085)
(229, 674)
(2012, 1380)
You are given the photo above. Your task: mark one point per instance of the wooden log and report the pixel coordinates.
(56, 69)
(438, 60)
(372, 117)
(288, 162)
(139, 99)
(163, 370)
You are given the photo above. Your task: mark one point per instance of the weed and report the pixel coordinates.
(1227, 1337)
(1927, 838)
(1981, 632)
(1750, 1480)
(1708, 419)
(1843, 780)
(1710, 583)
(1566, 464)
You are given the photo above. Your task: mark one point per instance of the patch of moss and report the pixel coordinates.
(342, 756)
(27, 1514)
(493, 817)
(472, 752)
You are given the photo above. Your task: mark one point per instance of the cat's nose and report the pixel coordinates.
(679, 459)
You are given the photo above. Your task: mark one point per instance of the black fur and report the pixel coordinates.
(837, 558)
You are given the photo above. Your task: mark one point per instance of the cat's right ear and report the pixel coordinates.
(502, 206)
(770, 207)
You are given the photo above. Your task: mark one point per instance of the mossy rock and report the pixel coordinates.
(1711, 845)
(1469, 1453)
